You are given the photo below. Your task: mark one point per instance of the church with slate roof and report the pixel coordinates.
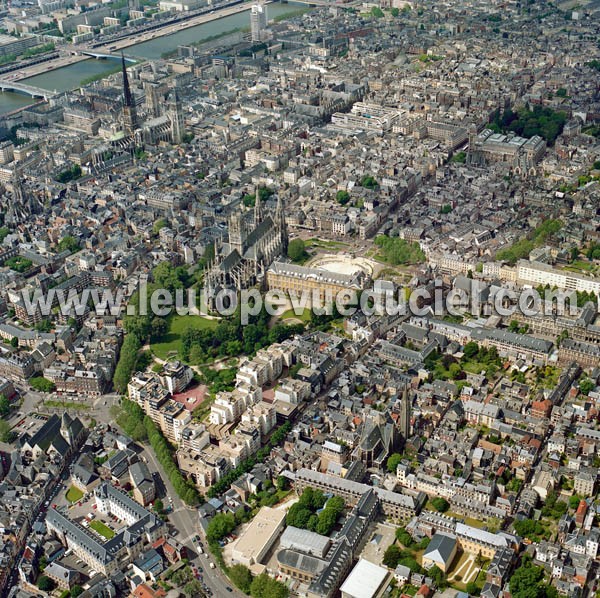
(255, 240)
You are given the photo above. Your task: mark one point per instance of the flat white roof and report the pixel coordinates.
(259, 533)
(364, 580)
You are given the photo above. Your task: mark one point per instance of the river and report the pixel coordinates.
(70, 77)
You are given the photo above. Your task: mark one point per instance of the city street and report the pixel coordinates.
(185, 521)
(182, 518)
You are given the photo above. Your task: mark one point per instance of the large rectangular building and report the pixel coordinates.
(536, 273)
(258, 538)
(109, 556)
(393, 504)
(291, 277)
(513, 345)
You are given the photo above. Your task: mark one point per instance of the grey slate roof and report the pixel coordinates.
(440, 548)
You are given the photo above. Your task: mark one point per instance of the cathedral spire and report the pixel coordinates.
(129, 112)
(127, 98)
(17, 186)
(176, 117)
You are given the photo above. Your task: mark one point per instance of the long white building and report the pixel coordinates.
(536, 273)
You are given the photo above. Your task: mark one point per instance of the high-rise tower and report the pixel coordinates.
(258, 21)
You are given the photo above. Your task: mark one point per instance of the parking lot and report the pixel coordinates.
(86, 513)
(29, 424)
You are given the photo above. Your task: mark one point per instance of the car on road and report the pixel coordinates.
(229, 589)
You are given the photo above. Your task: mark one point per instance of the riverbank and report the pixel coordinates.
(75, 71)
(112, 47)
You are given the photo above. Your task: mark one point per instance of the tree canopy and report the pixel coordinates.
(393, 461)
(45, 584)
(303, 514)
(440, 504)
(221, 525)
(41, 384)
(342, 197)
(542, 121)
(297, 250)
(68, 243)
(264, 586)
(241, 576)
(526, 582)
(397, 251)
(5, 431)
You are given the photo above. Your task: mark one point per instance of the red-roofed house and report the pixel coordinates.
(145, 591)
(541, 409)
(581, 512)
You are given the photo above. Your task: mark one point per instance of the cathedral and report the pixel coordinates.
(167, 127)
(255, 240)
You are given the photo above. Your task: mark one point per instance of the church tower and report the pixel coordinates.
(281, 225)
(405, 414)
(236, 232)
(130, 121)
(257, 207)
(176, 118)
(152, 99)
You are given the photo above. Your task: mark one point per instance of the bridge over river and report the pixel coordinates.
(31, 90)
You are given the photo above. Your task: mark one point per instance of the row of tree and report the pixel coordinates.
(127, 361)
(6, 433)
(140, 427)
(164, 453)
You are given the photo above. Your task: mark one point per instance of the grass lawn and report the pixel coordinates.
(581, 266)
(458, 563)
(289, 314)
(201, 413)
(468, 520)
(170, 343)
(474, 367)
(102, 529)
(74, 494)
